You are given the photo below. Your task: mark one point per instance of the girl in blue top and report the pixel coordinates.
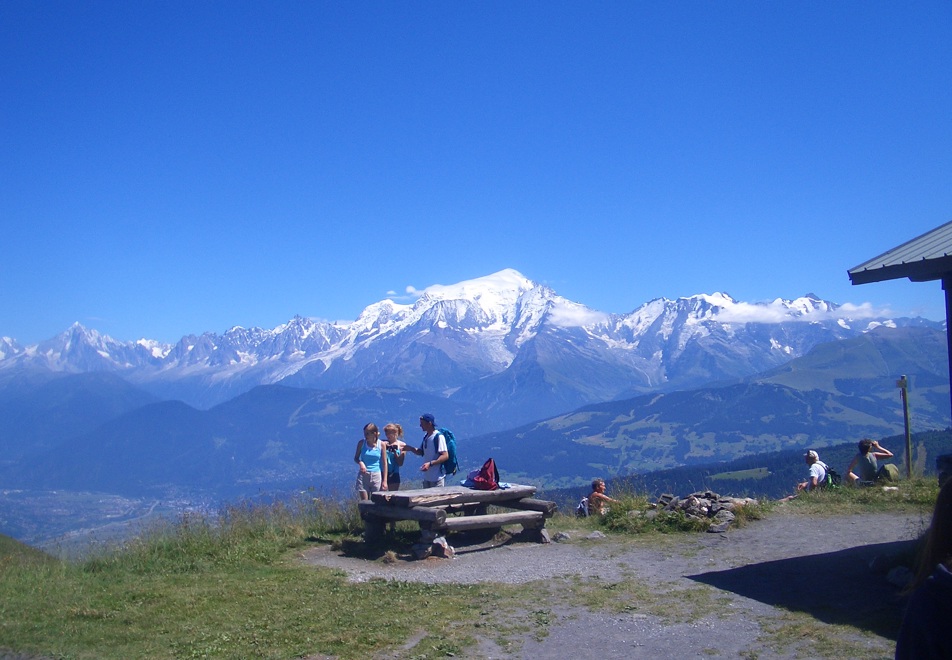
(395, 454)
(394, 447)
(369, 457)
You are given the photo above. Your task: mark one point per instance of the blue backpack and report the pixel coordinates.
(451, 464)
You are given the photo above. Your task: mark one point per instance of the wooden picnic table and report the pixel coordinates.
(435, 509)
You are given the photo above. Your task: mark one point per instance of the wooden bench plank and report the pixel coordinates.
(421, 514)
(547, 508)
(530, 518)
(466, 509)
(428, 497)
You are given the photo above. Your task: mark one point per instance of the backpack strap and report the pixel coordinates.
(436, 434)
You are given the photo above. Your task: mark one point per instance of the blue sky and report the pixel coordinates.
(176, 167)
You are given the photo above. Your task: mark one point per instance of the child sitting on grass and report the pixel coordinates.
(598, 499)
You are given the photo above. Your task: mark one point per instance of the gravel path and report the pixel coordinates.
(758, 575)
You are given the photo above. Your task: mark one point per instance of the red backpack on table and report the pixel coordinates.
(488, 476)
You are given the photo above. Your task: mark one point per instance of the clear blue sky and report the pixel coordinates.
(174, 167)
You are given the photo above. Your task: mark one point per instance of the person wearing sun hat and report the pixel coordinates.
(433, 450)
(816, 476)
(817, 471)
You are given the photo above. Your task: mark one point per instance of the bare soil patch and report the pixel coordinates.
(755, 579)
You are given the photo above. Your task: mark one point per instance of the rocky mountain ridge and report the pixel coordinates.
(501, 342)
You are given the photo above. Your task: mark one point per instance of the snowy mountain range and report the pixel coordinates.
(504, 343)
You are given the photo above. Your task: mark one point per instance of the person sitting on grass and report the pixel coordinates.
(598, 500)
(815, 478)
(866, 463)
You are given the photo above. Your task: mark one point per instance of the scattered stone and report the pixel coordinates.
(534, 534)
(595, 535)
(422, 550)
(724, 516)
(441, 548)
(562, 536)
(666, 499)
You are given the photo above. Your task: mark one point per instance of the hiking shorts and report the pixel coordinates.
(439, 483)
(368, 482)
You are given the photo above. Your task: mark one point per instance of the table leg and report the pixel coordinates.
(374, 529)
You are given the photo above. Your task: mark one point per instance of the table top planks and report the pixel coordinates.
(426, 497)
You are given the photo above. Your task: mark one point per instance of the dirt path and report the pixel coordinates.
(758, 586)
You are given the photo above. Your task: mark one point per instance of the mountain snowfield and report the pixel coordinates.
(502, 341)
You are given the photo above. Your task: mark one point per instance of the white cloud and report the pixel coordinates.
(743, 312)
(573, 316)
(411, 293)
(777, 311)
(863, 311)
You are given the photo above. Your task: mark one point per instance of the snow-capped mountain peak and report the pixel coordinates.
(156, 349)
(9, 347)
(501, 289)
(476, 339)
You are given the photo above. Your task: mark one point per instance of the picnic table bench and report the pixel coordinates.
(436, 509)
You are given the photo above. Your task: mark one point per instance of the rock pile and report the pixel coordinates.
(704, 505)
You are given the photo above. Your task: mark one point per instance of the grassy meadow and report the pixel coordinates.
(233, 588)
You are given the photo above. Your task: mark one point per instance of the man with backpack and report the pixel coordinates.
(817, 475)
(433, 450)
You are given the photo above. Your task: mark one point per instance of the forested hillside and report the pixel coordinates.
(775, 474)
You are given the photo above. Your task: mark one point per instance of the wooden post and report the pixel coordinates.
(903, 385)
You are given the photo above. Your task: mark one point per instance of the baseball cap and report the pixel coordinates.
(428, 417)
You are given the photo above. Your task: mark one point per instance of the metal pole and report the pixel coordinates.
(943, 462)
(947, 287)
(903, 385)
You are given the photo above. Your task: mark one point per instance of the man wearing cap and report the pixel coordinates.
(815, 478)
(433, 450)
(817, 471)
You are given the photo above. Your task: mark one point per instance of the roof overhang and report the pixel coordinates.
(923, 259)
(926, 258)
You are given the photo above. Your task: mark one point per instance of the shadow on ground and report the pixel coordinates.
(835, 587)
(401, 544)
